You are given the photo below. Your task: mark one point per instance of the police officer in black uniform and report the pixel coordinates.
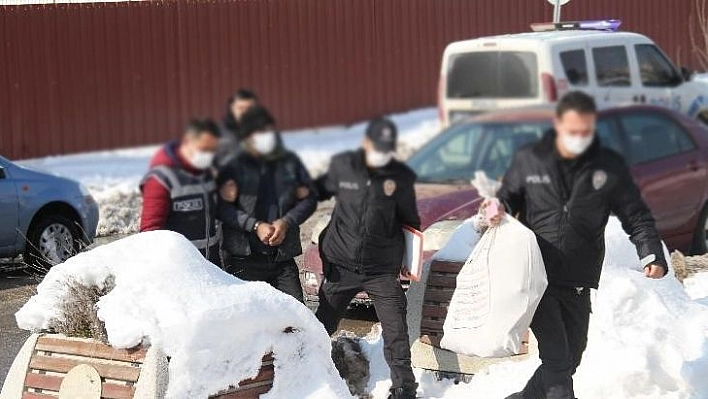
(362, 248)
(564, 189)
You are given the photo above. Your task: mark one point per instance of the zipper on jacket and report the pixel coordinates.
(208, 218)
(364, 228)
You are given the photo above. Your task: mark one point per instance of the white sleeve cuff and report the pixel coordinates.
(648, 260)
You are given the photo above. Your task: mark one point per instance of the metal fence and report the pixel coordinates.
(78, 77)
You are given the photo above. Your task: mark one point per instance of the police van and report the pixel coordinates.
(540, 66)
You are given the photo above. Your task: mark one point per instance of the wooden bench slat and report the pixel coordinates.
(35, 395)
(446, 281)
(446, 267)
(64, 365)
(53, 383)
(432, 325)
(89, 349)
(265, 375)
(438, 296)
(434, 311)
(115, 391)
(43, 381)
(248, 393)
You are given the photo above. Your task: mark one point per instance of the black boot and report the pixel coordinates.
(403, 393)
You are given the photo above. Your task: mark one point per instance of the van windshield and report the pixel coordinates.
(492, 74)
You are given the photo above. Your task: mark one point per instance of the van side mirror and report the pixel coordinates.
(2, 172)
(686, 74)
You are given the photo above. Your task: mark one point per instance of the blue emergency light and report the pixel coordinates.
(608, 25)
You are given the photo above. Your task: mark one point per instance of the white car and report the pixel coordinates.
(524, 69)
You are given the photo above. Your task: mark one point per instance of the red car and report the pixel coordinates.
(667, 151)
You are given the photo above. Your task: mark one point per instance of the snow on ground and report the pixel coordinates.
(215, 327)
(647, 339)
(113, 176)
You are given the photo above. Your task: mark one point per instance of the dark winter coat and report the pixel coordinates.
(372, 206)
(568, 207)
(239, 218)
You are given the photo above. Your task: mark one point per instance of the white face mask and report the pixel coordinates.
(264, 143)
(377, 159)
(576, 144)
(202, 160)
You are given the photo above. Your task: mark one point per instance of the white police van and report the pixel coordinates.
(540, 66)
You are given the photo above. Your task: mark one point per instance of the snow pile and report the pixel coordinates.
(113, 176)
(215, 327)
(647, 339)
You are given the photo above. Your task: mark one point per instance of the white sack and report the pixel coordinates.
(497, 293)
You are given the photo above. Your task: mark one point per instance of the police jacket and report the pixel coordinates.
(239, 218)
(192, 200)
(364, 233)
(567, 206)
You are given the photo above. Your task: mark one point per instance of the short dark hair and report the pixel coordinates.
(576, 101)
(244, 94)
(256, 118)
(199, 126)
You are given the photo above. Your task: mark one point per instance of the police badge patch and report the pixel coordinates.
(599, 178)
(389, 187)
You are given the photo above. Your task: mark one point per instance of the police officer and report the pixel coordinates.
(262, 228)
(363, 245)
(564, 188)
(179, 191)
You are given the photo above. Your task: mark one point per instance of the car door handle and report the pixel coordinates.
(693, 166)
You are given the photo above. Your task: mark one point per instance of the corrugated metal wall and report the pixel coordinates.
(78, 77)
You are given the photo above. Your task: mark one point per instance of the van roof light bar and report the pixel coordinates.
(609, 25)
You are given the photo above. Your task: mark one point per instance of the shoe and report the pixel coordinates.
(518, 395)
(402, 393)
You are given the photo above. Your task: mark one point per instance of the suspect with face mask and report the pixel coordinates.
(179, 191)
(564, 189)
(275, 196)
(362, 248)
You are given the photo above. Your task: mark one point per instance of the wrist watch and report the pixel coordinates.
(255, 226)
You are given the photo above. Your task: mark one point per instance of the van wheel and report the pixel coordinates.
(51, 240)
(700, 237)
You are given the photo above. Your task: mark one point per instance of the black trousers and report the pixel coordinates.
(340, 287)
(283, 275)
(561, 328)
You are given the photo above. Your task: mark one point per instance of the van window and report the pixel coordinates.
(492, 74)
(654, 68)
(611, 66)
(575, 67)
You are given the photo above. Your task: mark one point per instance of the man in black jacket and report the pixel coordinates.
(564, 188)
(262, 228)
(236, 106)
(362, 248)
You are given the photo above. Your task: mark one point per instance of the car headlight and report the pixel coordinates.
(438, 234)
(319, 227)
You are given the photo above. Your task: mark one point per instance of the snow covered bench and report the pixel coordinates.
(428, 304)
(53, 365)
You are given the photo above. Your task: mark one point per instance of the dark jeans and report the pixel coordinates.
(561, 328)
(283, 275)
(340, 287)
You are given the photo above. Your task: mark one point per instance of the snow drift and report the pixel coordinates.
(214, 327)
(647, 338)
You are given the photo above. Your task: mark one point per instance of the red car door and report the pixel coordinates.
(668, 167)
